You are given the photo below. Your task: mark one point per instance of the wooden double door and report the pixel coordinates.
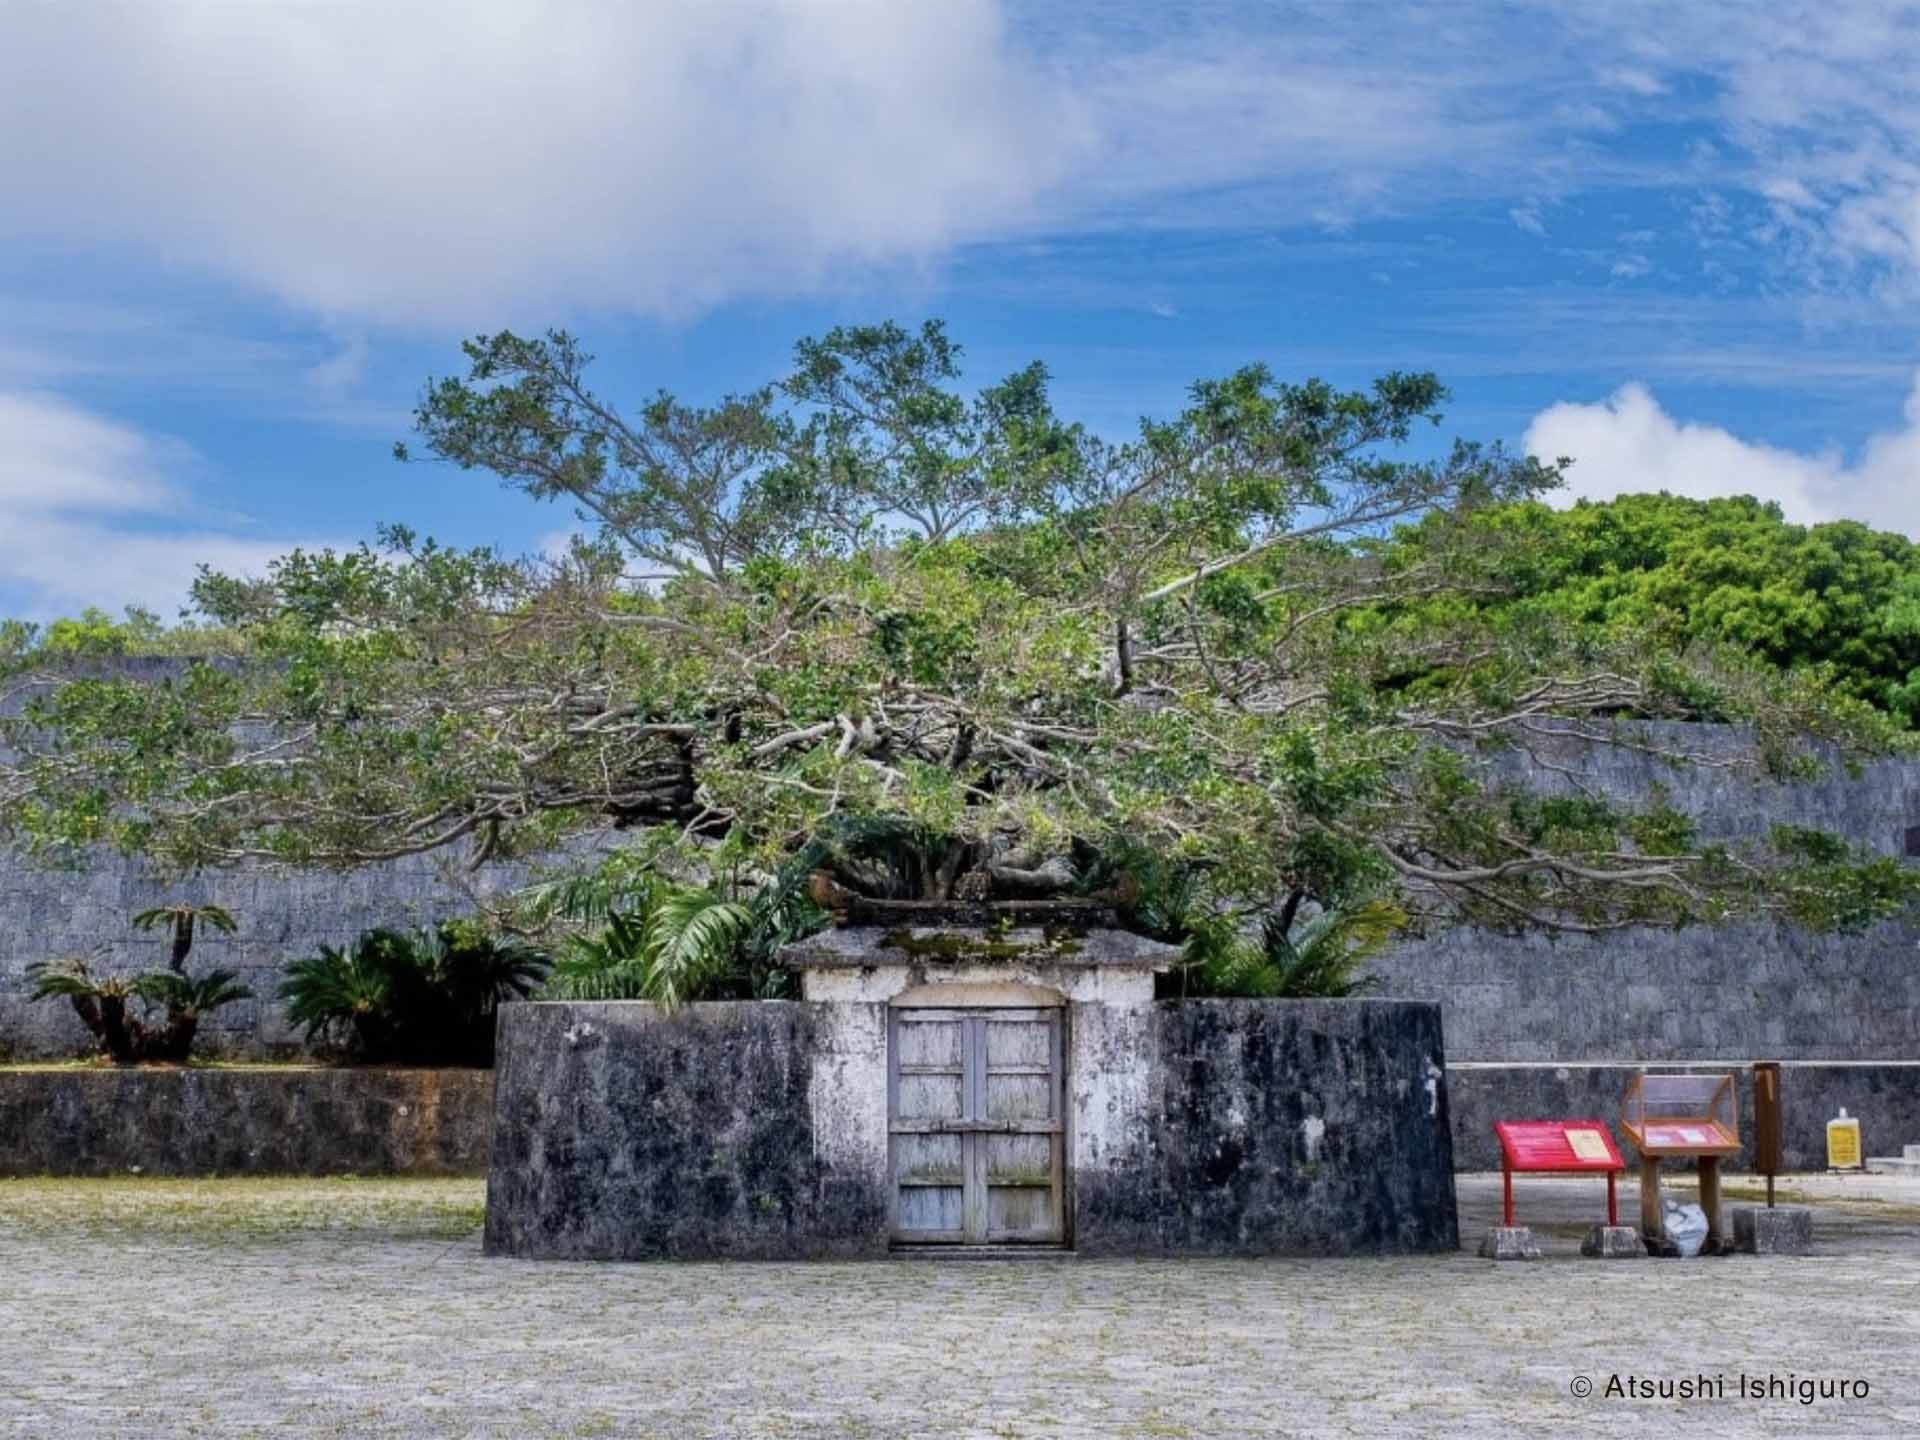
(975, 1115)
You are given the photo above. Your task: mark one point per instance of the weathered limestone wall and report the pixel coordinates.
(623, 1133)
(278, 1121)
(1739, 992)
(758, 1130)
(1281, 1127)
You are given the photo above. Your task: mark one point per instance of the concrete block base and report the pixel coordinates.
(1905, 1163)
(1509, 1242)
(1613, 1242)
(1783, 1230)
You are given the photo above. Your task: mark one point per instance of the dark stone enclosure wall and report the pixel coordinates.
(1284, 1127)
(1269, 1127)
(625, 1133)
(279, 1121)
(1737, 992)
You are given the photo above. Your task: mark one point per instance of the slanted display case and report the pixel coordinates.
(1690, 1115)
(1681, 1117)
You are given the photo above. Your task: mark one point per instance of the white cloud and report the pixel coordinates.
(449, 162)
(476, 162)
(484, 161)
(1527, 218)
(1817, 102)
(91, 514)
(1628, 444)
(343, 369)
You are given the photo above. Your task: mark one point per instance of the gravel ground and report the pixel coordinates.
(155, 1308)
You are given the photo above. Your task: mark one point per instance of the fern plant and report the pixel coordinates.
(343, 995)
(671, 944)
(1318, 959)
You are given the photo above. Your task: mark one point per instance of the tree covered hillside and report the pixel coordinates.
(1690, 572)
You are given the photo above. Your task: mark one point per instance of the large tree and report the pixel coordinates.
(863, 590)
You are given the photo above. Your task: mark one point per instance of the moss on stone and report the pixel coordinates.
(956, 947)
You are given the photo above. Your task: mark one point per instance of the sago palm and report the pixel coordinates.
(181, 918)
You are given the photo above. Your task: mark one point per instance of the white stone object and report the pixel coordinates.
(1509, 1242)
(1613, 1242)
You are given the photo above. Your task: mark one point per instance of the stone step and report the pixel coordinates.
(1907, 1164)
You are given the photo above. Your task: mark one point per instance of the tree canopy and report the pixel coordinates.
(1728, 571)
(863, 590)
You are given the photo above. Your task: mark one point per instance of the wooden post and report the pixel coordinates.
(1710, 1201)
(1613, 1203)
(1506, 1178)
(1650, 1226)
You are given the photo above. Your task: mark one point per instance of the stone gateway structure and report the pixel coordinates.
(999, 1078)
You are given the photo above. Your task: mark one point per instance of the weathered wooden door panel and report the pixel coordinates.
(1020, 1173)
(978, 1136)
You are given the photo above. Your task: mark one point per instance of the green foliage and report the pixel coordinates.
(863, 595)
(632, 933)
(413, 997)
(677, 943)
(1828, 884)
(180, 916)
(1317, 959)
(1312, 944)
(95, 635)
(1838, 597)
(196, 995)
(174, 1005)
(636, 934)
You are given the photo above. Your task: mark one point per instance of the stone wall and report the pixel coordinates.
(268, 1121)
(1884, 1097)
(282, 915)
(758, 1130)
(1282, 1127)
(623, 1133)
(1738, 992)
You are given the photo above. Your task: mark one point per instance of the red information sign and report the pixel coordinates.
(1558, 1146)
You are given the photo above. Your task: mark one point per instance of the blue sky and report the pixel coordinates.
(1680, 242)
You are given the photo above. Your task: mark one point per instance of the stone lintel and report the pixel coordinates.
(864, 947)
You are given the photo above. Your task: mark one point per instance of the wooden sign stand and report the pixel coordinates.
(1684, 1116)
